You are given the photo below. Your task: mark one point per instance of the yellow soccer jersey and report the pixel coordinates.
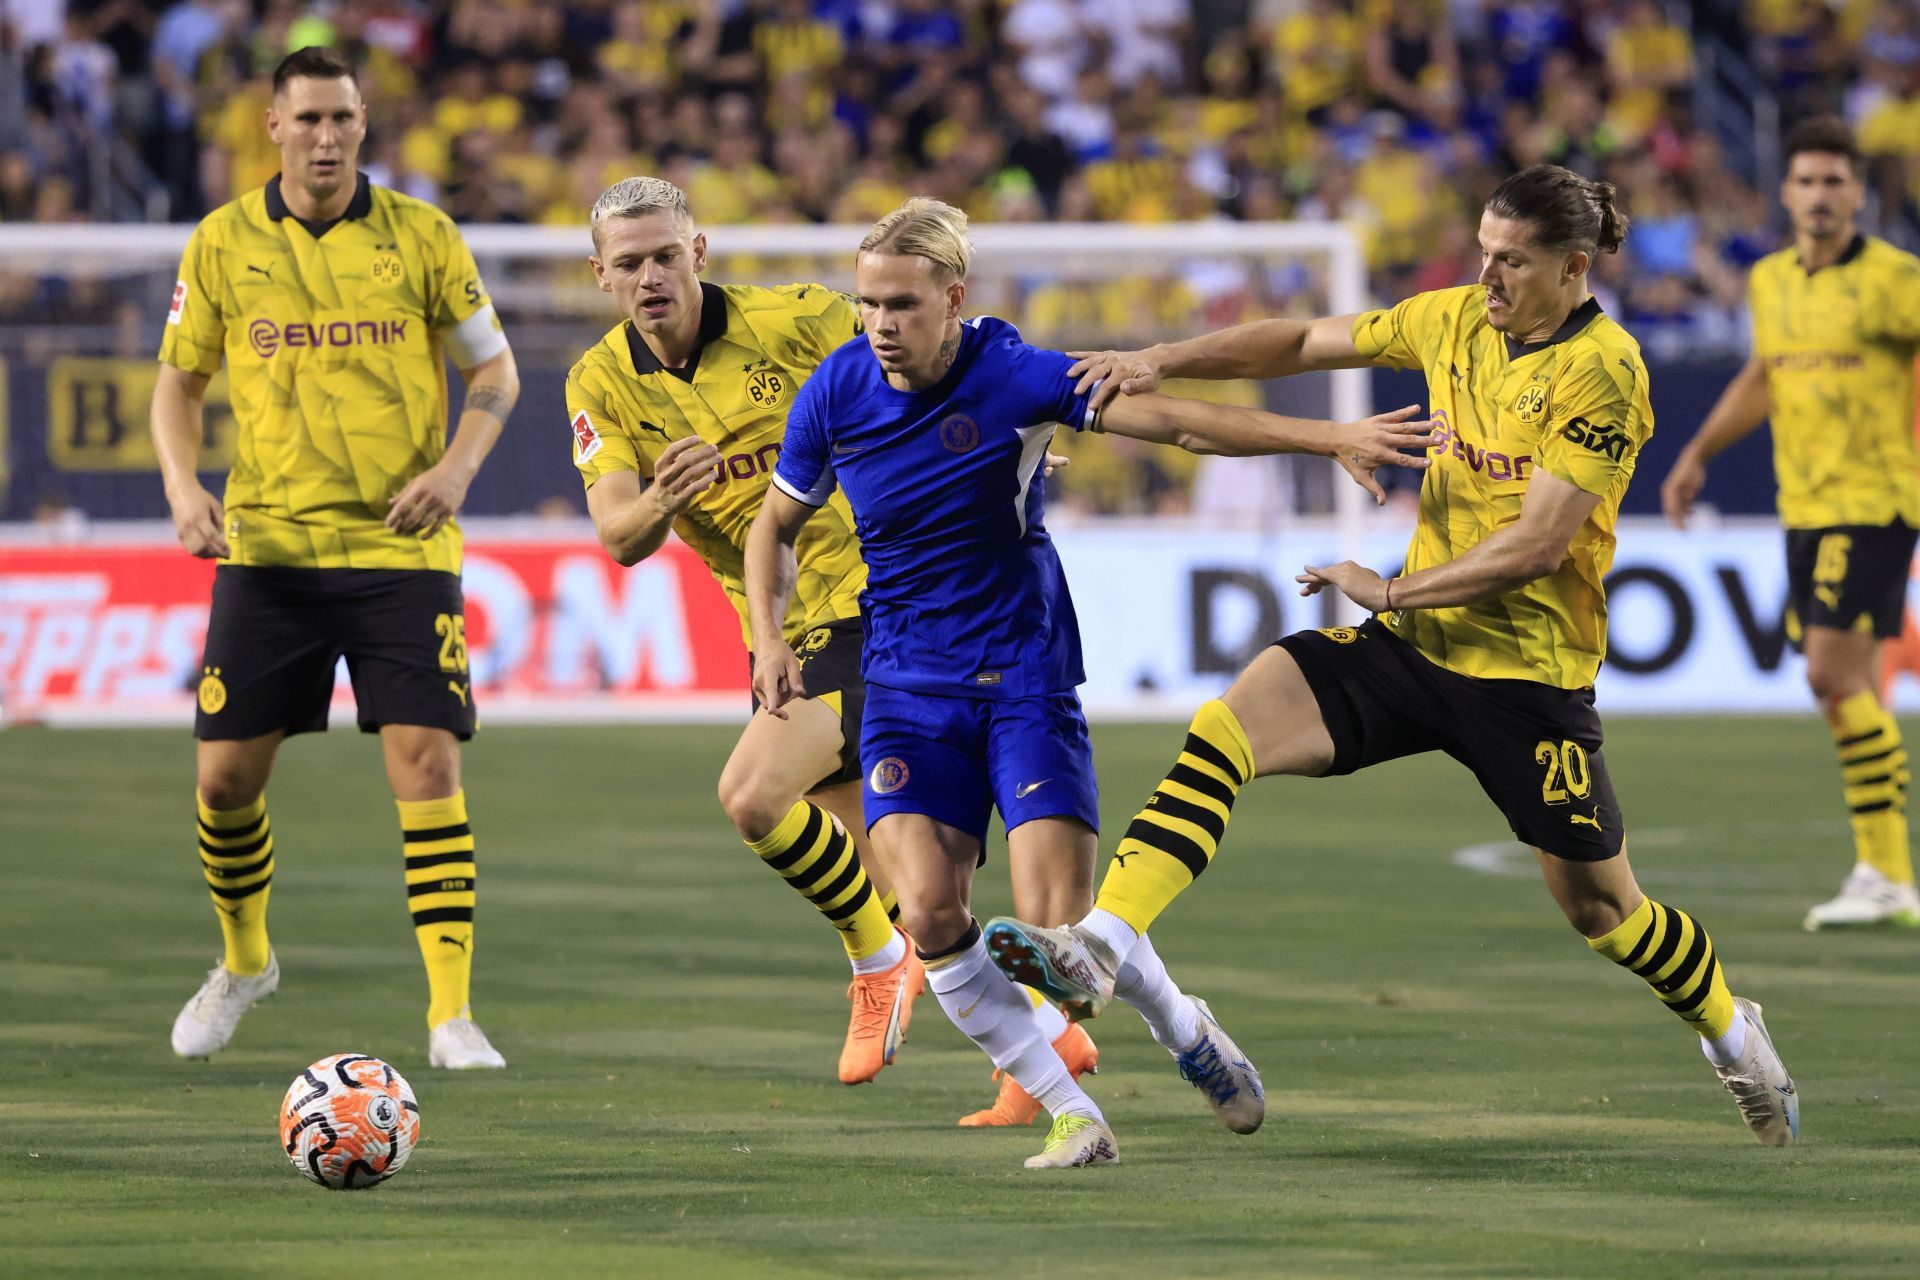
(1574, 406)
(332, 336)
(1838, 346)
(757, 348)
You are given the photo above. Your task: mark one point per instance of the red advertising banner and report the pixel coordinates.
(111, 633)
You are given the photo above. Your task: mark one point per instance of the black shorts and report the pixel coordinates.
(830, 665)
(1850, 577)
(276, 634)
(1534, 748)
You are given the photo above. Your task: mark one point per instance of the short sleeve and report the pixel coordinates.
(196, 330)
(1042, 375)
(1400, 336)
(459, 306)
(601, 445)
(837, 324)
(457, 291)
(805, 472)
(1890, 307)
(1596, 422)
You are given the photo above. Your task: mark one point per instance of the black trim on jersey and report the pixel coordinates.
(713, 323)
(359, 207)
(1583, 315)
(1855, 247)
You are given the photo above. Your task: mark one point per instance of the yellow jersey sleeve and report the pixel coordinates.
(195, 337)
(601, 442)
(1594, 429)
(837, 324)
(1401, 336)
(1890, 305)
(456, 291)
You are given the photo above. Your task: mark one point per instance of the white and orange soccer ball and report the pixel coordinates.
(349, 1121)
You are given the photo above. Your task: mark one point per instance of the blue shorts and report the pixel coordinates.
(956, 759)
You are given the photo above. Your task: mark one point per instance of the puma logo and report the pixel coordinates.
(266, 271)
(459, 690)
(452, 941)
(1120, 859)
(1593, 822)
(225, 910)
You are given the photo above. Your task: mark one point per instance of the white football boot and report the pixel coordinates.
(1067, 965)
(1074, 1141)
(1867, 898)
(1216, 1067)
(1759, 1082)
(458, 1044)
(208, 1020)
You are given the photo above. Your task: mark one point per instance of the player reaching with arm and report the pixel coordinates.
(677, 419)
(1836, 325)
(934, 431)
(334, 305)
(1485, 646)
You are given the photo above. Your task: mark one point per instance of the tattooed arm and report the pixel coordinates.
(431, 498)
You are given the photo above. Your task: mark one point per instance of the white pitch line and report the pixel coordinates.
(1511, 858)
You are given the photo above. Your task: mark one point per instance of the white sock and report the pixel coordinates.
(1726, 1051)
(1053, 1023)
(999, 1017)
(1113, 933)
(886, 957)
(1145, 984)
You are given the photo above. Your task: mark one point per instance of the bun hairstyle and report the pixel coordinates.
(1566, 210)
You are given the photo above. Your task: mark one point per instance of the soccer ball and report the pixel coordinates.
(349, 1121)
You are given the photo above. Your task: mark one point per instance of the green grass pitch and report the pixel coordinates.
(1456, 1087)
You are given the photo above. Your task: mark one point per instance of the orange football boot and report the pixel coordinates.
(1015, 1106)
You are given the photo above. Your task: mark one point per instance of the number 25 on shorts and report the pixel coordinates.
(452, 630)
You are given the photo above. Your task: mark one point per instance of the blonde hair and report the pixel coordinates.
(924, 228)
(638, 197)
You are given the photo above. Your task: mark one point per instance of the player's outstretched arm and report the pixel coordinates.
(633, 517)
(1737, 414)
(771, 569)
(179, 403)
(1262, 349)
(1201, 427)
(432, 498)
(1531, 547)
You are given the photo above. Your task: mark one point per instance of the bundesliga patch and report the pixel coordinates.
(586, 441)
(179, 302)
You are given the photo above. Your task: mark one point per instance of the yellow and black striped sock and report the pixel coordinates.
(236, 854)
(1873, 771)
(890, 905)
(815, 855)
(1671, 950)
(1173, 839)
(440, 877)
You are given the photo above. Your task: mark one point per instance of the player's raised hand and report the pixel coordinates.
(776, 678)
(1355, 581)
(428, 501)
(200, 522)
(1365, 446)
(1117, 373)
(687, 467)
(1681, 487)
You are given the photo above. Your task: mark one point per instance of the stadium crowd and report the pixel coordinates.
(1400, 115)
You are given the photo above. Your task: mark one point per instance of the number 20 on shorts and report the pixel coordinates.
(1567, 773)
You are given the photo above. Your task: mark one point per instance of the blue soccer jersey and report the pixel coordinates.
(965, 593)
